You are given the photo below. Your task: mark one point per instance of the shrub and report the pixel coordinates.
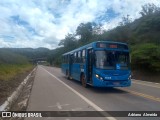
(146, 56)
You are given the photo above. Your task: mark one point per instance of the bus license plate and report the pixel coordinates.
(116, 83)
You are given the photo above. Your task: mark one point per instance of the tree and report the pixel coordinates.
(125, 20)
(84, 30)
(69, 41)
(147, 56)
(148, 9)
(97, 29)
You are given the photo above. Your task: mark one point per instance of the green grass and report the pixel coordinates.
(9, 71)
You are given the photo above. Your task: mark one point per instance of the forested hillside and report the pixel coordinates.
(142, 36)
(30, 53)
(7, 57)
(12, 64)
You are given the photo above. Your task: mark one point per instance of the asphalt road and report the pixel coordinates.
(51, 91)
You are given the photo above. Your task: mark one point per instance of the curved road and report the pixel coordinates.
(51, 91)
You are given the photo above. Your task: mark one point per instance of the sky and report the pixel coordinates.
(43, 23)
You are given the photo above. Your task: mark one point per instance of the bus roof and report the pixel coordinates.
(91, 45)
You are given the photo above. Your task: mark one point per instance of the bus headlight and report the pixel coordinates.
(99, 77)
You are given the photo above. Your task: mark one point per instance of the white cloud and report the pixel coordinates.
(48, 21)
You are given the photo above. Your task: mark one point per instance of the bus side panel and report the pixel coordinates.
(64, 68)
(75, 73)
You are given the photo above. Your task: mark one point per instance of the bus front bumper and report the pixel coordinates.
(111, 83)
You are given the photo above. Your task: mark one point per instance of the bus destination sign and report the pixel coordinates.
(111, 45)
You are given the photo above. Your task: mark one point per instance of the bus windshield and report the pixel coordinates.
(112, 60)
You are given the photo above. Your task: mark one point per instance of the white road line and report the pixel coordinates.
(76, 109)
(80, 95)
(59, 106)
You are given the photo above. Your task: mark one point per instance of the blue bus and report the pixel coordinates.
(99, 64)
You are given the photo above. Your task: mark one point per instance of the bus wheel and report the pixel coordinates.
(83, 81)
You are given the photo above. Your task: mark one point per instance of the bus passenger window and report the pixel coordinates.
(75, 57)
(71, 58)
(79, 57)
(83, 56)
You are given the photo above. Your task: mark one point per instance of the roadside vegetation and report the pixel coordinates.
(15, 61)
(13, 69)
(9, 71)
(142, 36)
(12, 64)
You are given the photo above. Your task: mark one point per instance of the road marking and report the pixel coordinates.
(142, 95)
(58, 105)
(146, 84)
(76, 109)
(80, 95)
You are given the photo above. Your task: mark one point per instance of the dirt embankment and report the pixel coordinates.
(146, 76)
(8, 86)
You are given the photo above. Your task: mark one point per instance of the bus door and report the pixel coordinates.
(70, 64)
(89, 65)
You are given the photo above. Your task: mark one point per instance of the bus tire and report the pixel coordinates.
(83, 81)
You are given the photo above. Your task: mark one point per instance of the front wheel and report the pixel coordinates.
(83, 81)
